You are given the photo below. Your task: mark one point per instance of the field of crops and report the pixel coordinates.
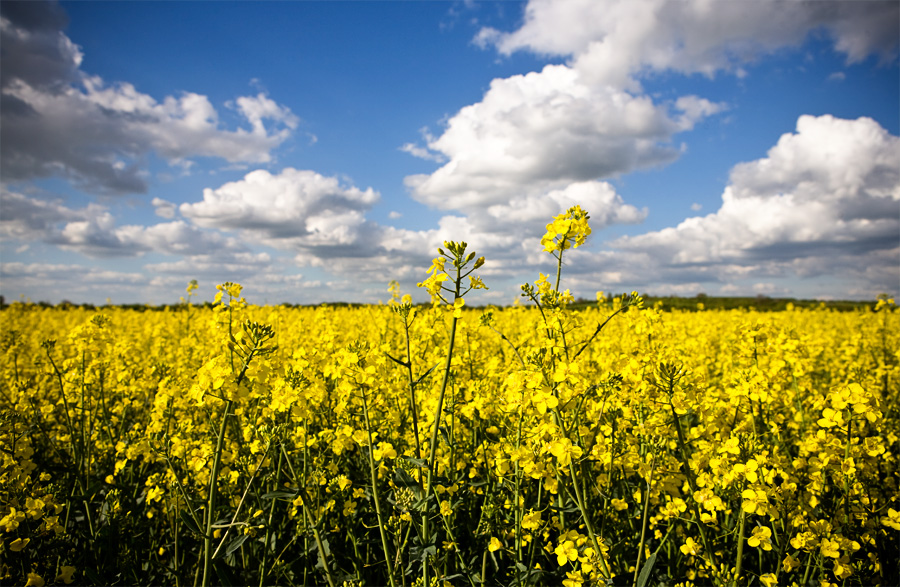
(440, 445)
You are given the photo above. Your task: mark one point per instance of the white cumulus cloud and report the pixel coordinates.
(534, 133)
(293, 204)
(616, 41)
(587, 119)
(824, 201)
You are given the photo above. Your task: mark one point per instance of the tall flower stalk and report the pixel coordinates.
(439, 274)
(566, 231)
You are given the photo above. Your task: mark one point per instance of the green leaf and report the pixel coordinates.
(291, 495)
(420, 463)
(236, 543)
(404, 479)
(424, 375)
(188, 522)
(445, 434)
(645, 571)
(320, 562)
(428, 552)
(396, 360)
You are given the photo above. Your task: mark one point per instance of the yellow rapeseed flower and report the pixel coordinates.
(690, 547)
(761, 538)
(892, 520)
(18, 544)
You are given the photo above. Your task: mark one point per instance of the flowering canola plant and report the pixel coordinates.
(411, 445)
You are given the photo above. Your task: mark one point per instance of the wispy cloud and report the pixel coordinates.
(58, 120)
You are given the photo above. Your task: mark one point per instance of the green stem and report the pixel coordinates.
(519, 508)
(62, 393)
(579, 499)
(426, 535)
(637, 565)
(509, 342)
(211, 504)
(414, 407)
(318, 538)
(847, 477)
(809, 558)
(612, 470)
(85, 414)
(374, 478)
(739, 558)
(175, 532)
(559, 266)
(587, 522)
(240, 504)
(263, 569)
(597, 331)
(357, 557)
(309, 522)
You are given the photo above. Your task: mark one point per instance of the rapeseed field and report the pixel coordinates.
(439, 444)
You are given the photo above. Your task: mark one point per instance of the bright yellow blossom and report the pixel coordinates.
(761, 538)
(892, 520)
(690, 547)
(566, 552)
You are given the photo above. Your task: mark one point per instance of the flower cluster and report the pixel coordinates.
(568, 230)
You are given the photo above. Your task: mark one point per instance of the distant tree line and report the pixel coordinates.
(697, 303)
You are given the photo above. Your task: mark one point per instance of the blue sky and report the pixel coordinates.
(314, 151)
